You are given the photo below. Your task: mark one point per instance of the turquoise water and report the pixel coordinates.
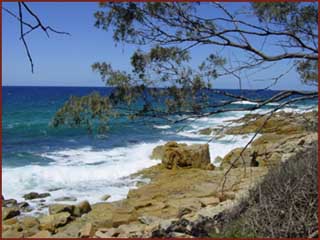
(37, 157)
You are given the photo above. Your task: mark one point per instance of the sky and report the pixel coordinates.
(66, 60)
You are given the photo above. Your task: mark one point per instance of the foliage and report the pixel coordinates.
(169, 30)
(284, 205)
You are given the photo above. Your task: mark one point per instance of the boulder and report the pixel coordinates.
(30, 226)
(234, 158)
(58, 208)
(87, 231)
(81, 208)
(29, 222)
(35, 195)
(42, 234)
(9, 212)
(9, 203)
(174, 155)
(157, 153)
(10, 221)
(12, 233)
(51, 222)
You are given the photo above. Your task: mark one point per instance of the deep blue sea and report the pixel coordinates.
(37, 157)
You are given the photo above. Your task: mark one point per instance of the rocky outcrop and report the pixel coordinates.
(35, 195)
(10, 212)
(182, 199)
(174, 155)
(51, 222)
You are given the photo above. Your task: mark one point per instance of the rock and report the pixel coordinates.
(10, 221)
(42, 234)
(148, 220)
(210, 167)
(66, 199)
(51, 222)
(9, 212)
(11, 233)
(123, 217)
(84, 207)
(132, 230)
(86, 231)
(30, 222)
(218, 160)
(212, 201)
(226, 196)
(183, 211)
(206, 131)
(30, 226)
(234, 158)
(9, 203)
(105, 197)
(180, 235)
(54, 189)
(35, 195)
(157, 153)
(108, 232)
(58, 208)
(23, 205)
(174, 155)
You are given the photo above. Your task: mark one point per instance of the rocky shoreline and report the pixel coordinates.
(183, 197)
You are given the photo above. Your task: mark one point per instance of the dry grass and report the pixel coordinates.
(285, 204)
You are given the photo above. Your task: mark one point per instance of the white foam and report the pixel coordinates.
(83, 173)
(162, 126)
(245, 102)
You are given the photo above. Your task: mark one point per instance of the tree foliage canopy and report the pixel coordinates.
(168, 31)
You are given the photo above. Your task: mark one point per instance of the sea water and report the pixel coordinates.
(70, 162)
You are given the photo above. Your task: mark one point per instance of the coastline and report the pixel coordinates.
(190, 194)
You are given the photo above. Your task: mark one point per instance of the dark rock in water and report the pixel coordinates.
(54, 189)
(105, 197)
(9, 203)
(67, 199)
(9, 213)
(35, 195)
(24, 207)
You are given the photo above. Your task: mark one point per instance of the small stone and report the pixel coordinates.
(180, 235)
(183, 211)
(210, 167)
(148, 220)
(42, 234)
(87, 231)
(105, 197)
(212, 201)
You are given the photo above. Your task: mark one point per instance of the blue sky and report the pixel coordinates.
(66, 60)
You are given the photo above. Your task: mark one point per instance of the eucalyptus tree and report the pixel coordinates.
(264, 34)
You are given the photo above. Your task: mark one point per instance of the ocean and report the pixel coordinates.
(70, 162)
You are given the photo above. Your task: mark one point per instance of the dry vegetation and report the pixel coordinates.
(285, 204)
